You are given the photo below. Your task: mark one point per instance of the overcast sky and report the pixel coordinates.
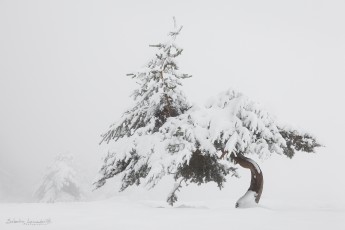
(63, 66)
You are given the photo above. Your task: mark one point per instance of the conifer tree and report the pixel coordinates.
(164, 135)
(60, 183)
(158, 98)
(232, 127)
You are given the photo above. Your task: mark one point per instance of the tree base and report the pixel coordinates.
(247, 200)
(252, 196)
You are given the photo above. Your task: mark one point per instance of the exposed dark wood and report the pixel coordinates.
(257, 180)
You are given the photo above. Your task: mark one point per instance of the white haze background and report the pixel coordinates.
(63, 66)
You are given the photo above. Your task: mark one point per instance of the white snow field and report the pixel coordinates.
(306, 192)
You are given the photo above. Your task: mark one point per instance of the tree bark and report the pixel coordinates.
(257, 181)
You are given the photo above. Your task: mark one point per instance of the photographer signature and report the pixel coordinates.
(28, 221)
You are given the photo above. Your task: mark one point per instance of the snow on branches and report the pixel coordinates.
(163, 135)
(158, 97)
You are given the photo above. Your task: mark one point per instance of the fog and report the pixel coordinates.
(63, 68)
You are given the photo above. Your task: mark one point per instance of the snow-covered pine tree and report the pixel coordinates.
(163, 135)
(60, 183)
(230, 128)
(142, 150)
(158, 98)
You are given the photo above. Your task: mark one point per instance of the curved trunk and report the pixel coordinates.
(256, 184)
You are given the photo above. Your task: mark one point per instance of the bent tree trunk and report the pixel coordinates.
(256, 184)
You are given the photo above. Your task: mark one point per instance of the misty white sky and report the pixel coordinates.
(63, 66)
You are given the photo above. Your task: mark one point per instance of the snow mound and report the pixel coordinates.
(247, 200)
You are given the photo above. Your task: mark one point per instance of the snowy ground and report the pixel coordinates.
(124, 214)
(303, 193)
(121, 214)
